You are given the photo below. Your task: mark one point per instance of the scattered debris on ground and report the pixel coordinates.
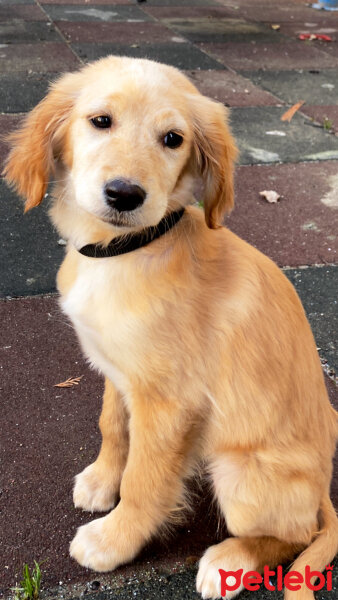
(270, 196)
(287, 116)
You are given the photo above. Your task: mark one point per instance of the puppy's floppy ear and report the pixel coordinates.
(214, 152)
(31, 159)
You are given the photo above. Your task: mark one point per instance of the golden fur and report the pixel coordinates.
(206, 350)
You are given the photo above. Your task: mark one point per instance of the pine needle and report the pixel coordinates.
(69, 382)
(287, 116)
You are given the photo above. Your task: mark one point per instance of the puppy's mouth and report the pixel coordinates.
(125, 219)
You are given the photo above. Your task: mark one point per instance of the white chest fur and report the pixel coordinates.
(106, 330)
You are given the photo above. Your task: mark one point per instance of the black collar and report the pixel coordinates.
(131, 242)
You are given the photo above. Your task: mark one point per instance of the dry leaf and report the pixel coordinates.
(287, 116)
(69, 382)
(270, 196)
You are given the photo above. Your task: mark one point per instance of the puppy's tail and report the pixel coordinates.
(320, 553)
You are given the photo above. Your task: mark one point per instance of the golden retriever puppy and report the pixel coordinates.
(207, 354)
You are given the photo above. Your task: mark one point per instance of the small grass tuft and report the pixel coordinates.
(29, 588)
(327, 124)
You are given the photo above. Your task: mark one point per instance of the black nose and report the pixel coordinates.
(123, 195)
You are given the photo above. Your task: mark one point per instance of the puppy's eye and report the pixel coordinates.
(101, 122)
(172, 140)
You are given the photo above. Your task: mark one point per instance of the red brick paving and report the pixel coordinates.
(244, 56)
(231, 89)
(20, 11)
(42, 58)
(299, 229)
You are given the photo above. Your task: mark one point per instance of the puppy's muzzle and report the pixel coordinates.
(123, 195)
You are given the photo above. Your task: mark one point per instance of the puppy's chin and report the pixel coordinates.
(124, 221)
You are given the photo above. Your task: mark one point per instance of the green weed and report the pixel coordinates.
(29, 588)
(327, 124)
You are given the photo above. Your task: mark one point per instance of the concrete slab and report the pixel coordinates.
(20, 92)
(30, 253)
(326, 116)
(177, 54)
(301, 229)
(123, 33)
(316, 87)
(19, 11)
(263, 138)
(100, 13)
(23, 32)
(37, 58)
(244, 56)
(230, 88)
(207, 29)
(317, 288)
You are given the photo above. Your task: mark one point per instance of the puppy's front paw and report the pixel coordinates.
(106, 543)
(91, 548)
(96, 489)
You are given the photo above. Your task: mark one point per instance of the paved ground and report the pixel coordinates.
(232, 53)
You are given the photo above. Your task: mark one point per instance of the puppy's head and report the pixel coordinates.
(124, 139)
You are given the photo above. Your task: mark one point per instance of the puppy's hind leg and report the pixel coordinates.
(273, 517)
(246, 553)
(97, 487)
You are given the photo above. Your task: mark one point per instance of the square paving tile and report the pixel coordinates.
(300, 229)
(21, 92)
(244, 56)
(100, 13)
(187, 12)
(263, 138)
(313, 86)
(125, 33)
(23, 32)
(277, 12)
(230, 88)
(38, 58)
(26, 269)
(19, 11)
(181, 55)
(207, 29)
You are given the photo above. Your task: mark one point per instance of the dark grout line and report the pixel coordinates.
(67, 42)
